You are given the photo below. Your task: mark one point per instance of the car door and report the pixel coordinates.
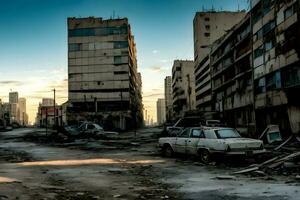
(208, 139)
(193, 140)
(181, 141)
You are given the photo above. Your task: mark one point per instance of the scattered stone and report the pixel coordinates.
(298, 177)
(117, 196)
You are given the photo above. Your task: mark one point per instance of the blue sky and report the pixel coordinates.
(33, 38)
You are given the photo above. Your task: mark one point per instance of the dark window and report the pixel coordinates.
(291, 77)
(121, 72)
(288, 12)
(117, 60)
(258, 52)
(75, 47)
(120, 44)
(98, 31)
(268, 27)
(90, 126)
(259, 34)
(207, 34)
(207, 27)
(268, 45)
(185, 133)
(261, 86)
(206, 19)
(273, 81)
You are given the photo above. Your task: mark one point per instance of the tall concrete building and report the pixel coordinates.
(14, 107)
(160, 111)
(104, 83)
(183, 87)
(22, 110)
(276, 60)
(209, 27)
(168, 97)
(231, 74)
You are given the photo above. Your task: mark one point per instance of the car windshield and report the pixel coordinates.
(227, 133)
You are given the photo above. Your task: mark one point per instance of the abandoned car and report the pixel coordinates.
(89, 129)
(208, 142)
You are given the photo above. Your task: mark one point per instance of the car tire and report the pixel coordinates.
(205, 156)
(167, 151)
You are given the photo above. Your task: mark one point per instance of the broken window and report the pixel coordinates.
(259, 52)
(291, 77)
(268, 45)
(288, 12)
(207, 34)
(268, 27)
(273, 81)
(266, 6)
(261, 86)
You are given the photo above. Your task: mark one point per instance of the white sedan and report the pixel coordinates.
(205, 142)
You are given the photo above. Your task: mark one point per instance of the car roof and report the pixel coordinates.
(209, 128)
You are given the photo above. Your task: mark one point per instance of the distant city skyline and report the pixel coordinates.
(33, 57)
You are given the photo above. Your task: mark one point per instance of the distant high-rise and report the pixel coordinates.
(160, 110)
(183, 87)
(14, 107)
(22, 110)
(104, 82)
(168, 97)
(13, 97)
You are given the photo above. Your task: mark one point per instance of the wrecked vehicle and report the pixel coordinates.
(181, 124)
(89, 130)
(207, 142)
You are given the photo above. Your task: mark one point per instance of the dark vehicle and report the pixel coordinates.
(88, 130)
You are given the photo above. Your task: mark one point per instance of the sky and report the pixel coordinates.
(33, 42)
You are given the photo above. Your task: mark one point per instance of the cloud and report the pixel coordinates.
(157, 68)
(11, 83)
(155, 51)
(153, 95)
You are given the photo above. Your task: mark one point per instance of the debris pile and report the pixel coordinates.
(279, 165)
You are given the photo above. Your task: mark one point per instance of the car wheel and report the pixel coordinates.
(205, 156)
(168, 151)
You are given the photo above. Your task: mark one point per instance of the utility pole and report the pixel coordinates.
(54, 109)
(189, 90)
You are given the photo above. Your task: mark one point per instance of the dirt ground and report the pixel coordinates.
(34, 166)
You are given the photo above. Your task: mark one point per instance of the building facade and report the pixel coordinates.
(14, 107)
(168, 98)
(255, 71)
(183, 87)
(276, 66)
(208, 27)
(161, 111)
(231, 75)
(104, 83)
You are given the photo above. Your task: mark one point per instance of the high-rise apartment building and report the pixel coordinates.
(209, 27)
(183, 87)
(104, 82)
(276, 71)
(14, 107)
(160, 111)
(168, 97)
(13, 97)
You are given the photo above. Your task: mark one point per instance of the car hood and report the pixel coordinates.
(243, 142)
